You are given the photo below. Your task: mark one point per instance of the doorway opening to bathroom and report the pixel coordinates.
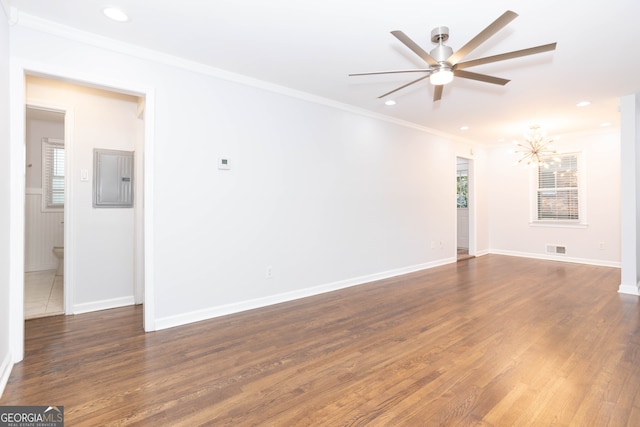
(80, 294)
(44, 212)
(100, 250)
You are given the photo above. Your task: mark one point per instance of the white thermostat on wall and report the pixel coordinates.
(223, 163)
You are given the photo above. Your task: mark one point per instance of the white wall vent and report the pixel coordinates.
(555, 249)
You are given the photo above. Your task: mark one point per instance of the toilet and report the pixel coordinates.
(58, 251)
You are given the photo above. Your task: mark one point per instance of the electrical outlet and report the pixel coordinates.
(269, 272)
(601, 246)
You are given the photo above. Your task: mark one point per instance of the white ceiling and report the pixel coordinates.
(312, 46)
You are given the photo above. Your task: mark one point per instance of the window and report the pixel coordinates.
(558, 192)
(52, 174)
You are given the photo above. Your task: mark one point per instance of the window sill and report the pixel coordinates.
(558, 224)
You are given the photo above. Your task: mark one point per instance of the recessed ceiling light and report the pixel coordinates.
(115, 14)
(583, 104)
(464, 127)
(605, 124)
(390, 102)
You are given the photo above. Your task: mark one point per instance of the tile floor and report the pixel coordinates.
(42, 294)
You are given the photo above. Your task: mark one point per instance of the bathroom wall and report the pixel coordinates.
(43, 230)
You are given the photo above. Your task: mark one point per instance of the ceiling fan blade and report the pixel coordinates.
(415, 48)
(403, 86)
(508, 55)
(424, 70)
(437, 93)
(483, 36)
(480, 77)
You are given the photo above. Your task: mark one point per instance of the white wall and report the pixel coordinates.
(43, 232)
(510, 203)
(102, 242)
(6, 361)
(324, 196)
(320, 195)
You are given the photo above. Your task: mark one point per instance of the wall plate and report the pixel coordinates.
(224, 163)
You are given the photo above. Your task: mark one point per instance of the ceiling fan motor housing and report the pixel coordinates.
(441, 52)
(440, 34)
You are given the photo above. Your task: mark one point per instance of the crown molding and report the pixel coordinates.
(85, 37)
(10, 12)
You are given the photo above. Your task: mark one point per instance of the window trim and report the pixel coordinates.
(46, 187)
(581, 222)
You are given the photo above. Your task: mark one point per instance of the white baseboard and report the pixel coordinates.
(101, 305)
(5, 371)
(41, 267)
(629, 289)
(549, 257)
(223, 310)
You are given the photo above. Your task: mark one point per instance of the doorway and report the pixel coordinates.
(44, 212)
(143, 254)
(463, 205)
(100, 254)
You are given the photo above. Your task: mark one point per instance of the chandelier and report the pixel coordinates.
(535, 151)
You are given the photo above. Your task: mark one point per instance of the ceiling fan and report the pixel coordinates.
(444, 64)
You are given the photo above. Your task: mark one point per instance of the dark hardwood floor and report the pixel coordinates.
(492, 341)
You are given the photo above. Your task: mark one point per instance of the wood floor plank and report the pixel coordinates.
(492, 341)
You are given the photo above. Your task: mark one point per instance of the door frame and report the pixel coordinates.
(18, 70)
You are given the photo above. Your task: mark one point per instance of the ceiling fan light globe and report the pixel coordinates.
(441, 77)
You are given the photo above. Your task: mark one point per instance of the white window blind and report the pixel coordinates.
(558, 192)
(52, 174)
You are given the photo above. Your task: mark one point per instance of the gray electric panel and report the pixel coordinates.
(112, 178)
